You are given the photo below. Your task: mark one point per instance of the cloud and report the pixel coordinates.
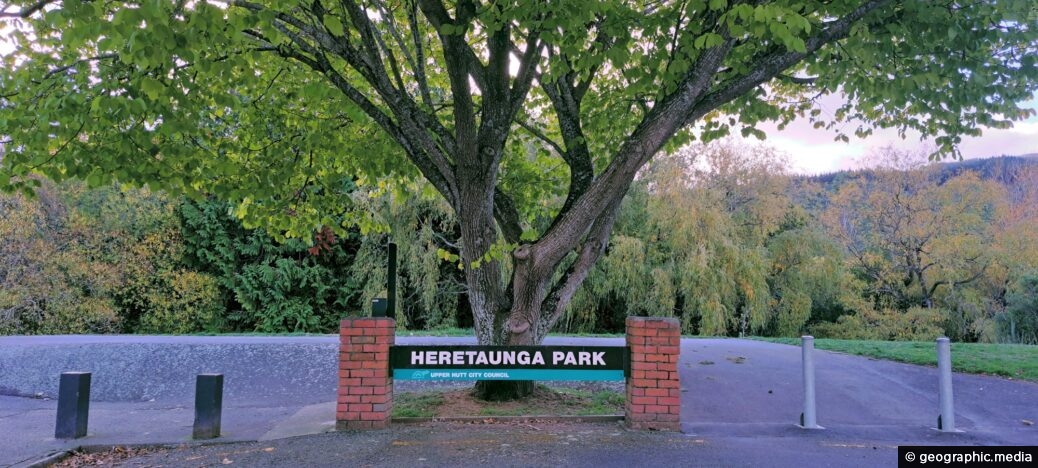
(813, 151)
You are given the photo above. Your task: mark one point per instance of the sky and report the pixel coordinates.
(813, 151)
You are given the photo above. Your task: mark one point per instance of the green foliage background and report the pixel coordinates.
(719, 236)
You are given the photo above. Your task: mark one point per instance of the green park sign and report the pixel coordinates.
(509, 362)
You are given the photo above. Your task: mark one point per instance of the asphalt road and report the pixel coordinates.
(740, 401)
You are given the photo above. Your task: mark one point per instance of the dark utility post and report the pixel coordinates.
(73, 405)
(208, 405)
(391, 282)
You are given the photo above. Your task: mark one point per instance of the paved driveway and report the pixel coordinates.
(738, 396)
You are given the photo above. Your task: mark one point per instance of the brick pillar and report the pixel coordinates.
(365, 398)
(653, 389)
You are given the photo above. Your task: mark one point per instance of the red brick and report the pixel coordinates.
(363, 340)
(661, 341)
(669, 417)
(361, 356)
(373, 381)
(636, 340)
(636, 365)
(658, 409)
(669, 384)
(375, 365)
(642, 331)
(350, 382)
(637, 408)
(675, 409)
(670, 401)
(384, 357)
(635, 391)
(347, 332)
(670, 332)
(360, 391)
(346, 364)
(644, 400)
(644, 382)
(634, 321)
(657, 375)
(346, 415)
(657, 392)
(362, 373)
(384, 398)
(345, 399)
(373, 416)
(362, 407)
(667, 366)
(382, 371)
(643, 349)
(672, 350)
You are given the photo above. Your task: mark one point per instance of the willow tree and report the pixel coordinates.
(267, 103)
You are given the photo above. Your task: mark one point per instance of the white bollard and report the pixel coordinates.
(946, 421)
(808, 418)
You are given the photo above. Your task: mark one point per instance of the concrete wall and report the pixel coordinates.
(163, 368)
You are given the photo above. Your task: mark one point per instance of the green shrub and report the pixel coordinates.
(915, 324)
(1019, 322)
(189, 302)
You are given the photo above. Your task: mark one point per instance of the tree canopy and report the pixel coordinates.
(531, 119)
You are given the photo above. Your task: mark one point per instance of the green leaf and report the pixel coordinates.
(334, 25)
(152, 88)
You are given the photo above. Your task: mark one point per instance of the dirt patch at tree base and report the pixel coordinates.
(461, 403)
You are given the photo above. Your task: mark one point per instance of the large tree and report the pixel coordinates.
(270, 103)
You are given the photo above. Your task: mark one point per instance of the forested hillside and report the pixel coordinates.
(721, 237)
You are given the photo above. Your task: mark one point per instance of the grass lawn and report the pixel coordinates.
(1015, 361)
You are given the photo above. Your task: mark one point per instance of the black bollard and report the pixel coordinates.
(208, 405)
(73, 405)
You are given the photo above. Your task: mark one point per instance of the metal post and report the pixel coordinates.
(391, 282)
(808, 418)
(208, 405)
(946, 421)
(73, 405)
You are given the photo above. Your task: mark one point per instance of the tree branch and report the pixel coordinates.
(594, 246)
(27, 11)
(771, 65)
(507, 216)
(537, 133)
(78, 62)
